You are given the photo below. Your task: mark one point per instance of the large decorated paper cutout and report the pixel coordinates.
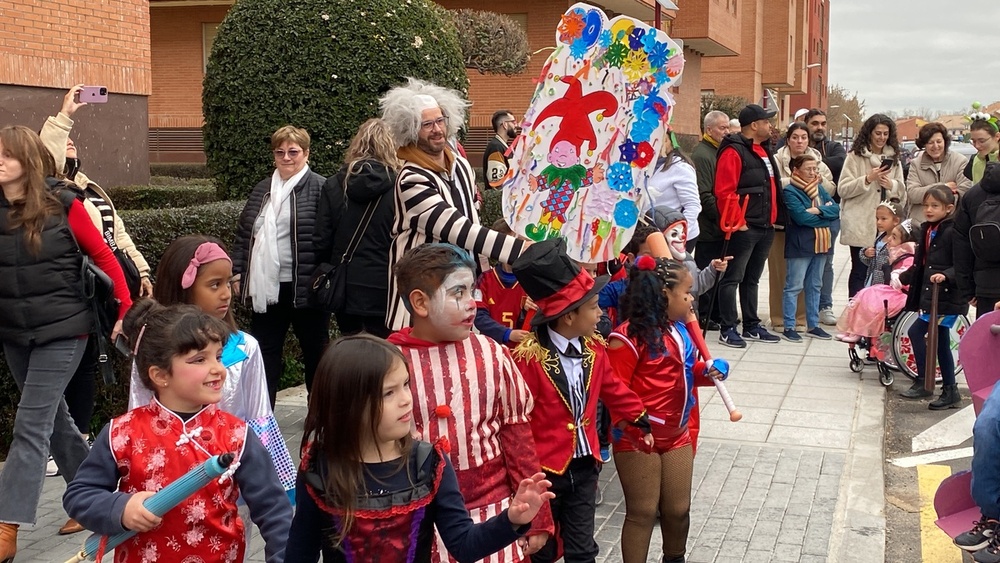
(592, 133)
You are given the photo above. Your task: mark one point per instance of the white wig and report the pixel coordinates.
(402, 106)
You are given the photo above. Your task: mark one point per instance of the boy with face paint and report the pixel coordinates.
(467, 389)
(567, 369)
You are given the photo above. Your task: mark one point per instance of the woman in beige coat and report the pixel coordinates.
(872, 173)
(936, 165)
(796, 144)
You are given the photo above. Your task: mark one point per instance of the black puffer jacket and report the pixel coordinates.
(305, 201)
(338, 218)
(927, 261)
(41, 296)
(976, 277)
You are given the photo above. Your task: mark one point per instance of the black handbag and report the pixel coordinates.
(132, 278)
(328, 287)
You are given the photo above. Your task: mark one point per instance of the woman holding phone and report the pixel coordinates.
(936, 165)
(872, 173)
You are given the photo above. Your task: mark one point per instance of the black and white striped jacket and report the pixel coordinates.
(438, 207)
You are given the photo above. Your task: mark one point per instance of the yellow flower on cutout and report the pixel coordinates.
(636, 65)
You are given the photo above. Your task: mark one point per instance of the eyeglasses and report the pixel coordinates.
(441, 122)
(292, 153)
(981, 141)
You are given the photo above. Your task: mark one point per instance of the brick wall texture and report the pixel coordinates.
(58, 44)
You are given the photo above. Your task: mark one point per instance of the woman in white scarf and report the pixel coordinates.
(273, 255)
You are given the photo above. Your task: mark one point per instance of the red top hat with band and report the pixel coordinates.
(553, 280)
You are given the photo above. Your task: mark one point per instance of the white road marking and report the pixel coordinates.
(948, 433)
(935, 457)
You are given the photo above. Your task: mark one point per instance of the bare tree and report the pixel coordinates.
(847, 110)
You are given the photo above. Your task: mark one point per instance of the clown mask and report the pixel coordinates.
(676, 235)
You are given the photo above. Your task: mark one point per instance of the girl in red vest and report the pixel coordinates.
(367, 491)
(178, 351)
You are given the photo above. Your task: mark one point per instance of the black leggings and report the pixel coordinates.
(81, 391)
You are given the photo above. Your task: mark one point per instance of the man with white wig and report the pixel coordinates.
(436, 187)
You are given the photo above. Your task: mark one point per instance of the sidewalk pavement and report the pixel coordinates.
(798, 479)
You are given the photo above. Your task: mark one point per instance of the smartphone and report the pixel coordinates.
(121, 344)
(887, 163)
(94, 94)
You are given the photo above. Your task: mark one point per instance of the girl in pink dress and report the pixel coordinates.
(865, 315)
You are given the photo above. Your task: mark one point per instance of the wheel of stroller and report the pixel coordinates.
(857, 365)
(902, 349)
(885, 376)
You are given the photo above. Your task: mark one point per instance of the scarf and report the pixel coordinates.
(708, 139)
(811, 189)
(262, 283)
(410, 153)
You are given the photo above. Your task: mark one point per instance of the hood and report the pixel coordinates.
(369, 180)
(991, 178)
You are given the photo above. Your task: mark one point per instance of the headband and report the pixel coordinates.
(978, 115)
(205, 253)
(138, 339)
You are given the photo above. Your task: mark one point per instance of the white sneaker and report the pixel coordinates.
(827, 317)
(51, 469)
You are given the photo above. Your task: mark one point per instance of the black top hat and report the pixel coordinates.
(553, 280)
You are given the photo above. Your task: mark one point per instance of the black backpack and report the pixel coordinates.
(984, 235)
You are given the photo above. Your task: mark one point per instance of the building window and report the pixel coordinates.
(208, 33)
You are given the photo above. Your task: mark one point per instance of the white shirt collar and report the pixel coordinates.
(560, 341)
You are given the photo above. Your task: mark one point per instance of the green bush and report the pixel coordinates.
(153, 230)
(163, 196)
(316, 64)
(492, 207)
(184, 170)
(492, 43)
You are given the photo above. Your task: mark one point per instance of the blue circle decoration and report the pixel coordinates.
(620, 177)
(591, 27)
(626, 213)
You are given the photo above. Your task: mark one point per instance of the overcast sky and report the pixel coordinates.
(899, 54)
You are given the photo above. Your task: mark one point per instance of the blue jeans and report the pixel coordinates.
(42, 420)
(803, 273)
(826, 294)
(986, 457)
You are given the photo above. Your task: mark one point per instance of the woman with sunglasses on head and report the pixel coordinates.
(274, 257)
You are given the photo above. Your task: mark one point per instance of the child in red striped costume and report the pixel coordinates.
(466, 389)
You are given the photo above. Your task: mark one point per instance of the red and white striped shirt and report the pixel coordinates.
(471, 393)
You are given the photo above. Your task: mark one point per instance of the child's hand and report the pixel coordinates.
(720, 264)
(532, 544)
(714, 374)
(813, 210)
(531, 493)
(648, 440)
(517, 335)
(529, 305)
(136, 517)
(895, 283)
(870, 252)
(938, 278)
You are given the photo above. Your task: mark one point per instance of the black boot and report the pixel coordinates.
(949, 399)
(679, 559)
(916, 391)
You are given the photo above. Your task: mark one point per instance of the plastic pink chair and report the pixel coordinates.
(979, 352)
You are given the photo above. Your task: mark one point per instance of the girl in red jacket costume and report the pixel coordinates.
(652, 353)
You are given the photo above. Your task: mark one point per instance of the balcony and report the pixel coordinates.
(709, 27)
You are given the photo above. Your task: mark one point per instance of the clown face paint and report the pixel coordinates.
(452, 307)
(677, 237)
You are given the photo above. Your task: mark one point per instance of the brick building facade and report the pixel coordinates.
(49, 46)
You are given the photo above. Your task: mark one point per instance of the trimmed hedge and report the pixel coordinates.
(163, 196)
(317, 64)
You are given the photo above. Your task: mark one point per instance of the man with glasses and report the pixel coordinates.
(985, 136)
(495, 161)
(834, 156)
(435, 189)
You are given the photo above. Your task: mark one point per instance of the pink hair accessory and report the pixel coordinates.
(205, 253)
(138, 339)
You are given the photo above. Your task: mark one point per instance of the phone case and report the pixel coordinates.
(94, 94)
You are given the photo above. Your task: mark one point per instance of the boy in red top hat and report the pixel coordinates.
(466, 389)
(566, 367)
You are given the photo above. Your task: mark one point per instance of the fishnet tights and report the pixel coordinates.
(652, 481)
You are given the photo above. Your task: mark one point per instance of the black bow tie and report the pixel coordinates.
(572, 351)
